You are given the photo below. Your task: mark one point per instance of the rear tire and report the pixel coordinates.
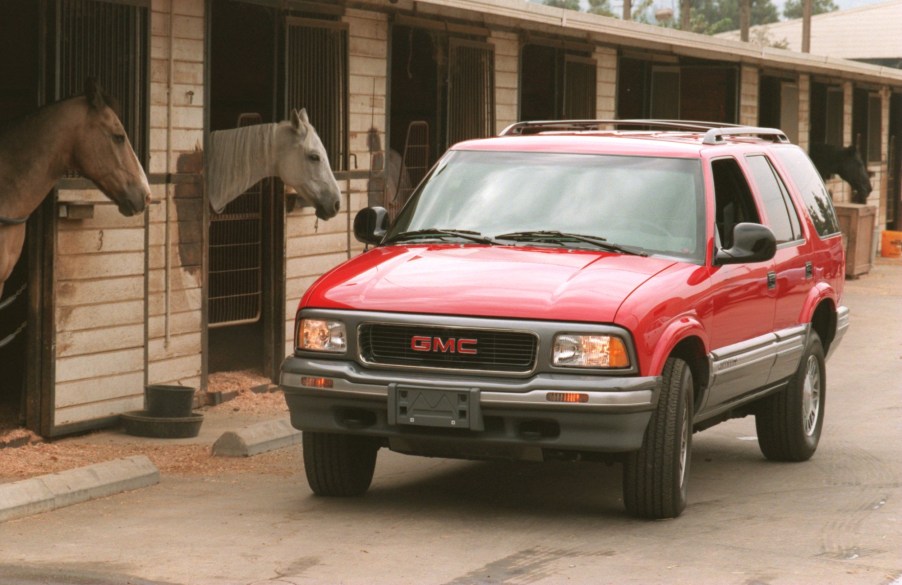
(339, 465)
(655, 478)
(789, 422)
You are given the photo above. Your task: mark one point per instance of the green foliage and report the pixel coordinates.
(717, 16)
(602, 7)
(707, 16)
(569, 4)
(793, 8)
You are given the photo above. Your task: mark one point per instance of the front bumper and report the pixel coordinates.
(508, 417)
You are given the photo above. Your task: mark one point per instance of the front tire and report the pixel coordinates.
(655, 478)
(339, 465)
(789, 422)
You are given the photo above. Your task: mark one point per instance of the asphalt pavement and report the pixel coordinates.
(835, 519)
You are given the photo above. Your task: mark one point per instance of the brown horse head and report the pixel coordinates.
(103, 153)
(303, 164)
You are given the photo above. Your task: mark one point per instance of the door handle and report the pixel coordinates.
(771, 280)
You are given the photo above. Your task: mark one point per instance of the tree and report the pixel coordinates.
(716, 16)
(793, 8)
(568, 4)
(602, 7)
(708, 17)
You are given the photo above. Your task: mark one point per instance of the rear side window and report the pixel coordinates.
(811, 187)
(781, 214)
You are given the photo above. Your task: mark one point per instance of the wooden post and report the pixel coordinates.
(685, 9)
(745, 18)
(627, 10)
(806, 26)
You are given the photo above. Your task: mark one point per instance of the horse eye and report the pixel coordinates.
(119, 138)
(313, 157)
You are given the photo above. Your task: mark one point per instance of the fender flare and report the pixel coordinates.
(816, 295)
(680, 328)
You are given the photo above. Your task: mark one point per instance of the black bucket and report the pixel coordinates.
(169, 401)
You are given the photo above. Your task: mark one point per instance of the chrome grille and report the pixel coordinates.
(496, 351)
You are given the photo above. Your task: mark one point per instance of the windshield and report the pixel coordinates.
(653, 205)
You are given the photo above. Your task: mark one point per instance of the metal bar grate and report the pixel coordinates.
(579, 87)
(236, 255)
(471, 90)
(107, 41)
(316, 73)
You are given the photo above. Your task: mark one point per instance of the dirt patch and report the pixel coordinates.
(190, 460)
(24, 454)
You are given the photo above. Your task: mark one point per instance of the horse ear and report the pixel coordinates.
(94, 93)
(299, 122)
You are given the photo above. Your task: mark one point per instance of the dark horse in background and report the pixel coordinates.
(81, 134)
(846, 162)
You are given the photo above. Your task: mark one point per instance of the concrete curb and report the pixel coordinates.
(56, 490)
(257, 438)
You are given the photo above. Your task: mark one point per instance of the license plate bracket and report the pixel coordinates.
(448, 408)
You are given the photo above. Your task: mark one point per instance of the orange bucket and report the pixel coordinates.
(891, 244)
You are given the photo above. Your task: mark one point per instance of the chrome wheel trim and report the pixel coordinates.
(684, 444)
(811, 396)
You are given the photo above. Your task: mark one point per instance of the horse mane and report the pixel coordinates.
(239, 158)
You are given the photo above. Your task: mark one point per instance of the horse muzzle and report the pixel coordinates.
(326, 202)
(326, 211)
(134, 201)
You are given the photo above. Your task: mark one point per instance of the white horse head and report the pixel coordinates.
(302, 164)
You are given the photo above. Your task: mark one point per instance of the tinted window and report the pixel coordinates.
(811, 188)
(651, 203)
(781, 214)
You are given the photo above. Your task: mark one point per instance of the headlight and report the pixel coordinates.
(321, 335)
(590, 351)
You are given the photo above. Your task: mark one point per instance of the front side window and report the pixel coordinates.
(811, 187)
(653, 205)
(732, 198)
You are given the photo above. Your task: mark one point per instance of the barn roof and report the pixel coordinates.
(614, 32)
(867, 32)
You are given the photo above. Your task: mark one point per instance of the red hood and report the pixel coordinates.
(524, 283)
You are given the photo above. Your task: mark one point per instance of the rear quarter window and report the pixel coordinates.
(811, 187)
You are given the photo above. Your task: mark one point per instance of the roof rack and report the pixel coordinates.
(714, 131)
(716, 135)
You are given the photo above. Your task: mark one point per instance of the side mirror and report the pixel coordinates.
(752, 242)
(370, 225)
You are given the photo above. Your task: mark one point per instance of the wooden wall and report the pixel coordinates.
(175, 300)
(119, 325)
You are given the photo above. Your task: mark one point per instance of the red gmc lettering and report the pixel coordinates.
(437, 344)
(421, 343)
(466, 346)
(442, 346)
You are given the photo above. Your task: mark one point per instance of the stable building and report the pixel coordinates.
(104, 305)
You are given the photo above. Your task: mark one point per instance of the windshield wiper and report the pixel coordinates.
(428, 233)
(557, 237)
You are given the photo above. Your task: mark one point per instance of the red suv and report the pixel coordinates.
(592, 290)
